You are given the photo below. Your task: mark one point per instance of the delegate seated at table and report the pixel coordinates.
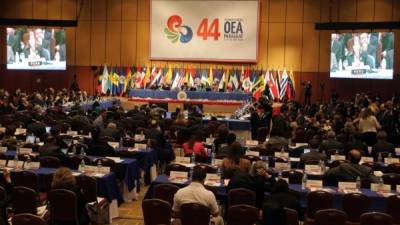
(197, 193)
(350, 171)
(234, 162)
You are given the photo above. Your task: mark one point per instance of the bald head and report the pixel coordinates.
(355, 156)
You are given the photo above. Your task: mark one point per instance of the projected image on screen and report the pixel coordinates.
(362, 55)
(36, 49)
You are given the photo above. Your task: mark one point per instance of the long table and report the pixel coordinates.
(160, 94)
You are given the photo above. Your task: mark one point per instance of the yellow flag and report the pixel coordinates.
(210, 77)
(169, 75)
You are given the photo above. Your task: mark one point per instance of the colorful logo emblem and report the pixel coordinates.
(175, 31)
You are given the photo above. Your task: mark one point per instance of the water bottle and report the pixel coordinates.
(73, 149)
(322, 165)
(82, 165)
(358, 183)
(16, 161)
(99, 166)
(219, 173)
(212, 158)
(193, 158)
(304, 181)
(379, 157)
(282, 152)
(279, 176)
(191, 172)
(28, 163)
(380, 183)
(121, 142)
(83, 153)
(148, 145)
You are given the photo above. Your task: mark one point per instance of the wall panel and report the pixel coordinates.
(312, 11)
(324, 51)
(276, 43)
(128, 42)
(98, 43)
(69, 9)
(143, 42)
(364, 10)
(143, 10)
(347, 10)
(293, 43)
(113, 43)
(40, 9)
(263, 45)
(54, 9)
(383, 10)
(264, 7)
(294, 11)
(86, 10)
(310, 48)
(99, 10)
(129, 9)
(277, 11)
(114, 10)
(83, 44)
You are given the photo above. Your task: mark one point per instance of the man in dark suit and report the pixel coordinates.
(330, 142)
(111, 131)
(280, 123)
(350, 171)
(382, 145)
(51, 149)
(314, 154)
(356, 143)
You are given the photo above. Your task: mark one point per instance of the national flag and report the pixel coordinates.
(283, 84)
(234, 80)
(156, 77)
(266, 85)
(210, 77)
(121, 82)
(178, 80)
(246, 85)
(291, 86)
(146, 79)
(273, 86)
(104, 80)
(127, 79)
(221, 85)
(168, 76)
(204, 78)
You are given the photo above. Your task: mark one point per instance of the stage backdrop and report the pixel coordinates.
(204, 30)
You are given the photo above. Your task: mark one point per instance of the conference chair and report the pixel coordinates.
(373, 165)
(393, 168)
(393, 208)
(128, 142)
(273, 159)
(50, 162)
(175, 167)
(330, 217)
(27, 219)
(391, 178)
(156, 211)
(317, 200)
(63, 206)
(25, 178)
(330, 152)
(376, 218)
(207, 168)
(292, 217)
(194, 214)
(24, 200)
(337, 163)
(165, 192)
(242, 215)
(241, 196)
(89, 187)
(294, 176)
(76, 160)
(355, 204)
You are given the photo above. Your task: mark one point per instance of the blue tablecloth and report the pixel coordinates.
(146, 160)
(234, 124)
(157, 94)
(104, 104)
(107, 186)
(129, 168)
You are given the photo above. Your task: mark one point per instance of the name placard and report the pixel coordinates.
(179, 159)
(347, 186)
(282, 166)
(369, 150)
(213, 177)
(312, 169)
(391, 160)
(380, 187)
(251, 142)
(3, 163)
(178, 175)
(253, 153)
(284, 155)
(140, 146)
(210, 141)
(115, 159)
(2, 130)
(11, 164)
(32, 166)
(338, 157)
(114, 145)
(3, 149)
(72, 133)
(217, 162)
(314, 184)
(25, 151)
(366, 159)
(20, 131)
(397, 150)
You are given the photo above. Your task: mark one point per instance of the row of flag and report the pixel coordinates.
(274, 84)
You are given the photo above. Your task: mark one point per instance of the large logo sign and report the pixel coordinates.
(198, 30)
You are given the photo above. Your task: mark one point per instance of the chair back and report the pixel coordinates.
(89, 187)
(393, 168)
(393, 208)
(3, 194)
(50, 162)
(337, 163)
(76, 161)
(273, 159)
(355, 204)
(391, 178)
(27, 219)
(376, 218)
(194, 214)
(373, 165)
(175, 167)
(292, 217)
(330, 217)
(252, 158)
(165, 192)
(106, 162)
(242, 215)
(63, 206)
(24, 200)
(156, 211)
(294, 176)
(207, 168)
(317, 200)
(241, 196)
(25, 178)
